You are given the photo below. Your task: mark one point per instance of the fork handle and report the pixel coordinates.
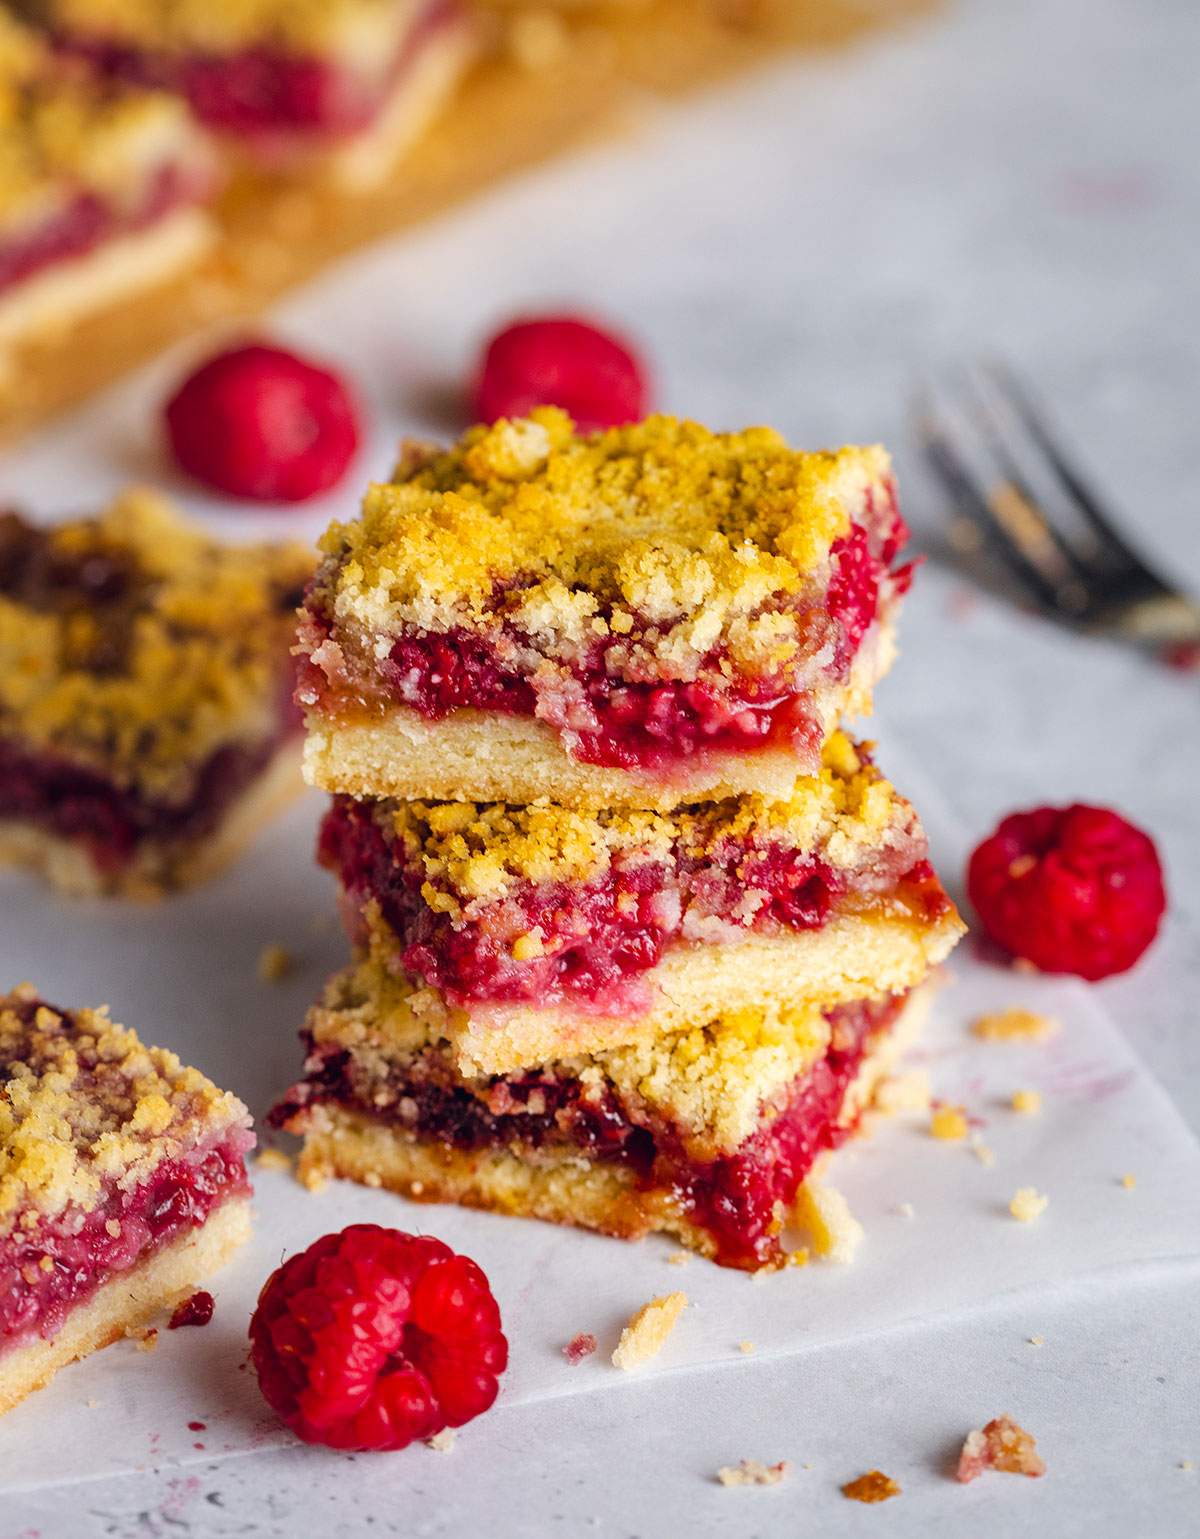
(1165, 618)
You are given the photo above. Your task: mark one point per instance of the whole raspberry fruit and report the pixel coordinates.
(261, 423)
(1072, 890)
(371, 1338)
(561, 361)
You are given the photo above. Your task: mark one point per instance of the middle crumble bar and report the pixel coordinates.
(535, 928)
(639, 618)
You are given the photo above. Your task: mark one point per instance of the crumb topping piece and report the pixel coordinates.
(1026, 1103)
(753, 1472)
(579, 1347)
(477, 852)
(1001, 1445)
(1028, 1204)
(1015, 1025)
(874, 1486)
(63, 132)
(824, 1213)
(84, 1104)
(646, 1333)
(949, 1123)
(206, 26)
(275, 963)
(898, 1093)
(135, 645)
(1128, 1182)
(662, 525)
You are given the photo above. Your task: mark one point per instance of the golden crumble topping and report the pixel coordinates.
(84, 1104)
(473, 853)
(712, 1081)
(686, 537)
(202, 26)
(1014, 1025)
(135, 646)
(62, 132)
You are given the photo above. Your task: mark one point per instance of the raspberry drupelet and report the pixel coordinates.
(372, 1338)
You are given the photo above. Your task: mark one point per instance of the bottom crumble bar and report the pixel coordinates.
(122, 1184)
(707, 1133)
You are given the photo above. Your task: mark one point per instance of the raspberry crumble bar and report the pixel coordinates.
(536, 928)
(346, 83)
(146, 725)
(122, 1184)
(102, 187)
(706, 1133)
(642, 617)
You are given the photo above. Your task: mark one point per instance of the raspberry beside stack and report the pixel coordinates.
(634, 920)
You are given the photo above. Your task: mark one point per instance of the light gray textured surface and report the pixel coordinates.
(1017, 175)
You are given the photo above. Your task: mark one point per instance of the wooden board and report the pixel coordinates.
(506, 117)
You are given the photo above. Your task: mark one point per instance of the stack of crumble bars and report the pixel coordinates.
(635, 921)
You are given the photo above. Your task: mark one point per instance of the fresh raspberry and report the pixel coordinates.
(261, 423)
(1072, 890)
(371, 1338)
(561, 361)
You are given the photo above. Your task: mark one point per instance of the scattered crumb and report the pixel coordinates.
(982, 1152)
(146, 1338)
(1128, 1182)
(679, 1258)
(903, 1093)
(579, 1347)
(874, 1486)
(1186, 1464)
(443, 1441)
(1015, 1025)
(825, 1213)
(906, 1210)
(752, 1472)
(91, 1405)
(949, 1122)
(1003, 1446)
(646, 1334)
(1028, 1203)
(275, 963)
(1027, 1102)
(1037, 1341)
(746, 1348)
(273, 1159)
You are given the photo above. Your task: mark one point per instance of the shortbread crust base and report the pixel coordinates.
(416, 100)
(156, 869)
(557, 1187)
(52, 299)
(127, 1302)
(853, 957)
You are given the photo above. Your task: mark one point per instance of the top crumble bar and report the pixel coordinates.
(641, 617)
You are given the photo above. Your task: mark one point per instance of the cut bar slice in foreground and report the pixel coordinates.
(122, 1184)
(706, 1133)
(542, 929)
(640, 618)
(343, 84)
(101, 188)
(146, 725)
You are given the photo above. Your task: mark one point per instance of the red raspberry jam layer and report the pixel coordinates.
(265, 93)
(608, 718)
(600, 935)
(48, 1270)
(88, 221)
(111, 823)
(735, 1198)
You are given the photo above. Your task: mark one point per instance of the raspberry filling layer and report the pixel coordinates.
(87, 221)
(112, 822)
(50, 1269)
(736, 1197)
(264, 93)
(603, 715)
(589, 940)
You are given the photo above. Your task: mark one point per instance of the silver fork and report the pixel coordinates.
(1019, 494)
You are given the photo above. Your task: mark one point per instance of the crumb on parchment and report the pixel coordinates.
(949, 1123)
(825, 1214)
(1026, 1103)
(275, 963)
(1001, 1445)
(753, 1472)
(1014, 1025)
(1028, 1203)
(270, 1158)
(443, 1441)
(646, 1333)
(874, 1486)
(579, 1347)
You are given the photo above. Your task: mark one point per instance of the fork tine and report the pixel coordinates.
(1111, 543)
(972, 499)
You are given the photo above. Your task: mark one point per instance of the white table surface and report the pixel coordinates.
(1017, 176)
